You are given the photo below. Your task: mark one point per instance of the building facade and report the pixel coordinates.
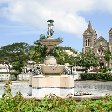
(4, 72)
(98, 45)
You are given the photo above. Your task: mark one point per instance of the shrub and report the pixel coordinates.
(96, 76)
(51, 103)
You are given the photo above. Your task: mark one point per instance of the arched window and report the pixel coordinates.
(86, 42)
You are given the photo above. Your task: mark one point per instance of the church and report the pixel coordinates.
(98, 45)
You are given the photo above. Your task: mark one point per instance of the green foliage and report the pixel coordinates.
(39, 50)
(87, 60)
(104, 69)
(20, 104)
(96, 76)
(15, 54)
(18, 65)
(107, 56)
(61, 56)
(51, 103)
(7, 90)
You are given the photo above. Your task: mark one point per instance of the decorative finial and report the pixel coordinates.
(50, 28)
(89, 25)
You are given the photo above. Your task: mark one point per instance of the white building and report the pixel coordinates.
(27, 71)
(4, 72)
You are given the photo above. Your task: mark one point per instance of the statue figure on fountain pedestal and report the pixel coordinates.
(50, 28)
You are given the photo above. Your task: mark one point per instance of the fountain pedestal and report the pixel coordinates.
(59, 85)
(52, 80)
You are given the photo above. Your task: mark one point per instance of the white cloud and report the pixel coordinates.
(64, 12)
(106, 5)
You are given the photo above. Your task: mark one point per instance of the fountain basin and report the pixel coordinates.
(52, 69)
(50, 42)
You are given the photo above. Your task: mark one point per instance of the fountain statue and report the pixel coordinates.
(52, 80)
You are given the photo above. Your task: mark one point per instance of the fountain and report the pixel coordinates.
(52, 80)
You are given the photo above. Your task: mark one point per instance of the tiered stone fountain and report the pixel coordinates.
(52, 80)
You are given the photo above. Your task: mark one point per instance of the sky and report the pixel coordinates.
(25, 20)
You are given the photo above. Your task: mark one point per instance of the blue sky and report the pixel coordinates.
(25, 20)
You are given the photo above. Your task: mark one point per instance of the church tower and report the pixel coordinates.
(89, 38)
(110, 39)
(110, 44)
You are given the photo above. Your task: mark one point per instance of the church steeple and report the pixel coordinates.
(89, 37)
(89, 29)
(89, 26)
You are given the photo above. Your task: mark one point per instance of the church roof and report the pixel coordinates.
(100, 42)
(89, 30)
(101, 39)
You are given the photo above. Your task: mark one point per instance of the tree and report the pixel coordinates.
(107, 56)
(39, 50)
(88, 59)
(16, 54)
(62, 57)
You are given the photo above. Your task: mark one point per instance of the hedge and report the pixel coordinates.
(96, 76)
